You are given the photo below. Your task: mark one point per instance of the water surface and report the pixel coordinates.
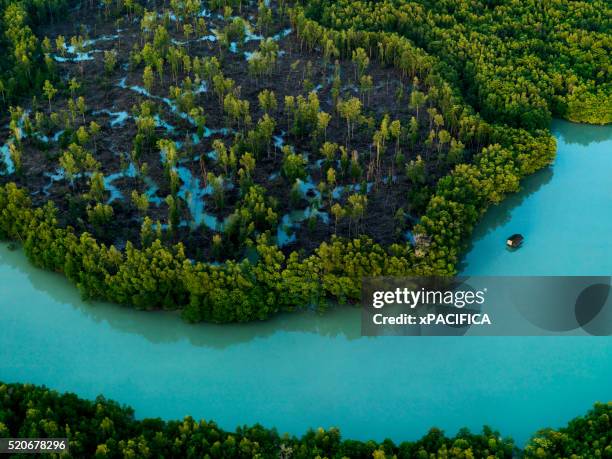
(305, 370)
(564, 212)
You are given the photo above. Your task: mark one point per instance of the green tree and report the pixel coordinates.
(360, 61)
(97, 188)
(294, 165)
(15, 153)
(49, 91)
(141, 202)
(94, 132)
(148, 78)
(417, 100)
(356, 208)
(100, 215)
(415, 171)
(110, 61)
(267, 101)
(350, 110)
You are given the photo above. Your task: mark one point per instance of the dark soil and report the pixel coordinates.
(295, 68)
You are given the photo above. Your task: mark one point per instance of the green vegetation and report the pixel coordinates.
(23, 66)
(261, 158)
(156, 276)
(105, 429)
(235, 159)
(587, 436)
(517, 62)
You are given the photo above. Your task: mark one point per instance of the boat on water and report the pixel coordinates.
(515, 241)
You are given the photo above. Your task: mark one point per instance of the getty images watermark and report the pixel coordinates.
(487, 306)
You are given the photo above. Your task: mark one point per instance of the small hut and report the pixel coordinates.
(515, 241)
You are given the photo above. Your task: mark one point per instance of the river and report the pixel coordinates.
(307, 370)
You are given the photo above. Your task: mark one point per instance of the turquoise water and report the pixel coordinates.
(564, 212)
(305, 370)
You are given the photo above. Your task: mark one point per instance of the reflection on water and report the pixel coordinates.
(580, 134)
(503, 211)
(306, 370)
(168, 327)
(564, 213)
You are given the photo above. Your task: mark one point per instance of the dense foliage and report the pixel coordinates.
(517, 62)
(585, 436)
(22, 66)
(157, 276)
(265, 161)
(372, 120)
(105, 429)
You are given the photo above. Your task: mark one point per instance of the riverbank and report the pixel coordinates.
(294, 372)
(564, 212)
(306, 370)
(108, 429)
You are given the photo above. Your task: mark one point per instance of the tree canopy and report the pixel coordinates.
(103, 428)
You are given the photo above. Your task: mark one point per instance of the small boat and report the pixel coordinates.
(515, 241)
